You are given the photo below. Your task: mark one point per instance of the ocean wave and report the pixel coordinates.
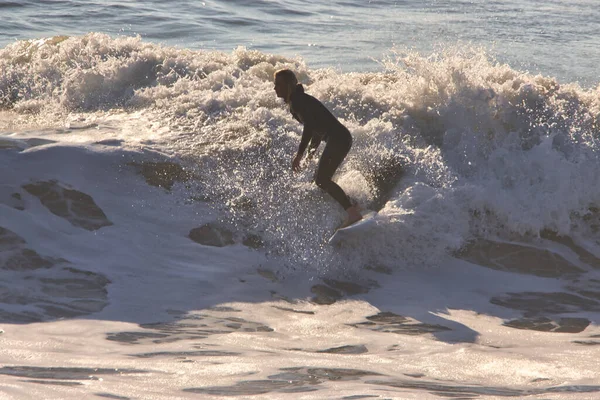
(448, 146)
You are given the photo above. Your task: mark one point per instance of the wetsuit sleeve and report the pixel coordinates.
(315, 142)
(306, 136)
(296, 117)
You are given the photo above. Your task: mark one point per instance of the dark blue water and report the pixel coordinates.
(554, 38)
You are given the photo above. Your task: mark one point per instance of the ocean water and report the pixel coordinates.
(154, 243)
(554, 38)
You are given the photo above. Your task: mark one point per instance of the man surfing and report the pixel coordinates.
(319, 124)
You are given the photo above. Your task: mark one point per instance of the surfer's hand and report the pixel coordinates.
(296, 163)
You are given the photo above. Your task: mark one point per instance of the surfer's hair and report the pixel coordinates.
(287, 75)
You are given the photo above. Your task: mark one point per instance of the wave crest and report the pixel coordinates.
(449, 146)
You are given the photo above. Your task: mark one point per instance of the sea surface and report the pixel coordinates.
(556, 38)
(155, 244)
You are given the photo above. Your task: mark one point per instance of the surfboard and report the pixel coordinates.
(354, 229)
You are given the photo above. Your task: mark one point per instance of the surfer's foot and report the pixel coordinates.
(353, 216)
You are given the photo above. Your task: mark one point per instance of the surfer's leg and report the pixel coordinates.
(332, 157)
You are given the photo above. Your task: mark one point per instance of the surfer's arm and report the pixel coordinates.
(314, 143)
(296, 117)
(306, 138)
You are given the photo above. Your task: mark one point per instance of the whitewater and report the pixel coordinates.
(155, 243)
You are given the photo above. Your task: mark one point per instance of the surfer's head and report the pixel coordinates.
(285, 83)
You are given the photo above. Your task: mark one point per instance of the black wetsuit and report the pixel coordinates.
(320, 124)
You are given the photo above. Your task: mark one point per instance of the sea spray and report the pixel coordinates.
(448, 147)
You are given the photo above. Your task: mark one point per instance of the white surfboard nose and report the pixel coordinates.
(354, 229)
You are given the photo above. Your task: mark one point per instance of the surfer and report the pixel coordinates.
(319, 124)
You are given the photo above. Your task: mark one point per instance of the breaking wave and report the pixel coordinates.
(448, 147)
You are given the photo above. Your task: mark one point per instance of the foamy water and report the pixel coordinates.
(155, 243)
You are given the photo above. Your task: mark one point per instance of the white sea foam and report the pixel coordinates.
(484, 149)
